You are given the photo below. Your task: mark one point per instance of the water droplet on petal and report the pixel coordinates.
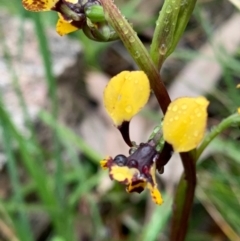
(119, 97)
(128, 109)
(120, 23)
(175, 108)
(199, 114)
(176, 117)
(136, 81)
(196, 133)
(184, 106)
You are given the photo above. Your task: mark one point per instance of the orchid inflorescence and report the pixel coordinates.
(183, 127)
(184, 123)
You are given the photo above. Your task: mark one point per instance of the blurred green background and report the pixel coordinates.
(51, 185)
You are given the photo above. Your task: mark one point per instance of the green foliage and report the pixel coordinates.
(74, 181)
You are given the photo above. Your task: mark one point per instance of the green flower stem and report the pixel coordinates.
(170, 25)
(137, 51)
(229, 121)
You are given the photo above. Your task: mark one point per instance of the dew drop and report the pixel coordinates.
(171, 119)
(176, 118)
(175, 108)
(136, 81)
(131, 39)
(169, 9)
(196, 110)
(136, 54)
(184, 107)
(163, 49)
(125, 30)
(156, 129)
(119, 97)
(112, 115)
(184, 2)
(120, 23)
(199, 114)
(166, 21)
(128, 109)
(196, 133)
(127, 78)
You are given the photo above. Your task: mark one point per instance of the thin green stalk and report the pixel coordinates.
(226, 123)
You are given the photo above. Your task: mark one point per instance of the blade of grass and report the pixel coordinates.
(158, 221)
(19, 218)
(34, 167)
(46, 57)
(66, 133)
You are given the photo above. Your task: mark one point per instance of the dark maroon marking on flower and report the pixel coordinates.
(145, 170)
(58, 5)
(120, 160)
(144, 156)
(136, 186)
(142, 159)
(124, 129)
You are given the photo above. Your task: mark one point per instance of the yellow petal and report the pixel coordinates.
(103, 164)
(125, 95)
(64, 27)
(238, 86)
(39, 5)
(185, 122)
(123, 174)
(155, 194)
(238, 110)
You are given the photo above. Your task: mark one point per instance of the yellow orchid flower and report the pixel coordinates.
(71, 14)
(137, 171)
(125, 95)
(87, 15)
(185, 122)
